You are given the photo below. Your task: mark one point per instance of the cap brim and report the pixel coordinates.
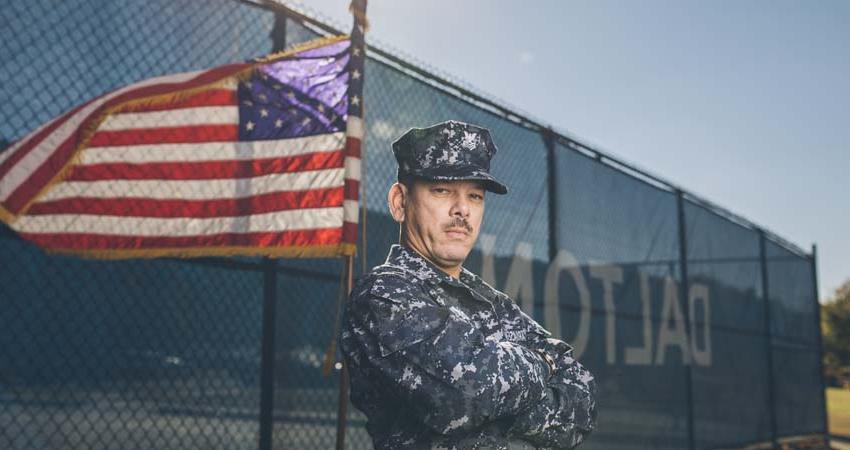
(463, 174)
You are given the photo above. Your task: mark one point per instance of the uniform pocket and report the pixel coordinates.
(403, 313)
(417, 325)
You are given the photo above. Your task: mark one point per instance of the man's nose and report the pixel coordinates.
(460, 206)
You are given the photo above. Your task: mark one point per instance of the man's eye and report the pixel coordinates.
(478, 196)
(440, 190)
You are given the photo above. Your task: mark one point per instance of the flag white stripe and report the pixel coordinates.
(350, 211)
(201, 115)
(352, 168)
(198, 189)
(213, 151)
(354, 127)
(300, 219)
(36, 157)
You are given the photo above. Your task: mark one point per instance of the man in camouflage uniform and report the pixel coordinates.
(439, 359)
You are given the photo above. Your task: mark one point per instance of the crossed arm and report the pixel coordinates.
(456, 380)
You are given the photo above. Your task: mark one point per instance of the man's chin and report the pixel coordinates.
(455, 253)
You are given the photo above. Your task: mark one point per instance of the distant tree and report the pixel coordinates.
(835, 325)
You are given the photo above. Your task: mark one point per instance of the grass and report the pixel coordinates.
(838, 406)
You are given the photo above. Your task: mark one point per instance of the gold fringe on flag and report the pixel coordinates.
(319, 251)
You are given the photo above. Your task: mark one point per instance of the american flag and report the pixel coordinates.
(257, 158)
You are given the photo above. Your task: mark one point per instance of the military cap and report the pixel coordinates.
(448, 151)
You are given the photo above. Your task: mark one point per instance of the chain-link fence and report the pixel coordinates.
(702, 329)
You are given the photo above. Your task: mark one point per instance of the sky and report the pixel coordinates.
(744, 103)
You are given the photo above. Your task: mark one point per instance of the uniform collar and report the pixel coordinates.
(411, 261)
(470, 279)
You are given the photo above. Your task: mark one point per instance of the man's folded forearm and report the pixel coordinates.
(568, 412)
(565, 417)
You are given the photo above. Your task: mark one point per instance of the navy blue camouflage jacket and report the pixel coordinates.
(437, 362)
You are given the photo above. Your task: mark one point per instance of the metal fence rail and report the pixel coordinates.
(701, 327)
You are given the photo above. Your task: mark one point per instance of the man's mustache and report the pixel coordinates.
(459, 222)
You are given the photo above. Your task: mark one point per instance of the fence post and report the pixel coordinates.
(769, 335)
(549, 142)
(814, 264)
(268, 353)
(684, 301)
(267, 364)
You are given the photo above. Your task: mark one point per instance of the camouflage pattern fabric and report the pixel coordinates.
(441, 363)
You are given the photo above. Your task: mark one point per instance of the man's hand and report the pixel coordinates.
(555, 348)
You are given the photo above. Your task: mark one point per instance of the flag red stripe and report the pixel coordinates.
(145, 91)
(169, 135)
(211, 97)
(349, 233)
(352, 189)
(227, 207)
(84, 241)
(352, 147)
(206, 170)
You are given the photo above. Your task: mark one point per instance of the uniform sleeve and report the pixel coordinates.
(436, 359)
(567, 413)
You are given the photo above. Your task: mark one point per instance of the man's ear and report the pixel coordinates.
(395, 200)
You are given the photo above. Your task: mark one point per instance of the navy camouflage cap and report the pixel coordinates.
(448, 151)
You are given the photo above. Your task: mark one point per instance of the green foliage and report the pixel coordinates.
(835, 325)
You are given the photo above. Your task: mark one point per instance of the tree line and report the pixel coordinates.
(835, 325)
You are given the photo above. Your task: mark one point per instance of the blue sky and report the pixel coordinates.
(745, 103)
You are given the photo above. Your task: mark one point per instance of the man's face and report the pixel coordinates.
(442, 219)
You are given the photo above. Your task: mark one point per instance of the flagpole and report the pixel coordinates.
(342, 407)
(354, 137)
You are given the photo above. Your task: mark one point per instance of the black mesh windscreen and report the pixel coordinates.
(619, 231)
(730, 378)
(126, 354)
(796, 351)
